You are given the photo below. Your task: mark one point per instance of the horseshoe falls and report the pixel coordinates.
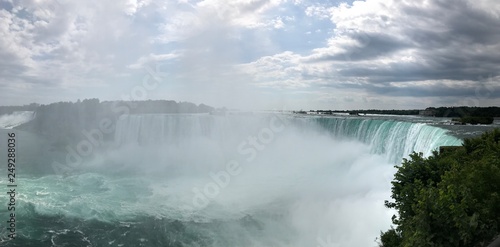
(207, 180)
(395, 139)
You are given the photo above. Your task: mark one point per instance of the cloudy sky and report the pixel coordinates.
(255, 54)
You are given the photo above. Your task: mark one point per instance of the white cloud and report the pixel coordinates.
(322, 12)
(132, 6)
(184, 22)
(282, 71)
(65, 39)
(361, 47)
(153, 58)
(394, 48)
(246, 13)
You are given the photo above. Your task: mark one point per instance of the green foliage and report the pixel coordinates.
(390, 238)
(481, 115)
(475, 120)
(448, 199)
(464, 111)
(369, 111)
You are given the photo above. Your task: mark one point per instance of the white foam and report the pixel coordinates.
(9, 121)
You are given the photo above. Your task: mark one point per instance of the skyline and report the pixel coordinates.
(260, 54)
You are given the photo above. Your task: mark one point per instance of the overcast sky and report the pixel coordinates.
(253, 54)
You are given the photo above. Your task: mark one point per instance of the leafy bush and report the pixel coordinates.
(448, 199)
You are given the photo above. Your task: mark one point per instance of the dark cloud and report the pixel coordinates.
(438, 90)
(441, 68)
(448, 40)
(477, 90)
(368, 46)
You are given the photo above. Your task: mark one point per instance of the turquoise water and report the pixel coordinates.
(395, 139)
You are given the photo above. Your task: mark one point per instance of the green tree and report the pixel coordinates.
(448, 199)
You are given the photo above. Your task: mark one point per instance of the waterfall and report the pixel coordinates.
(9, 121)
(234, 180)
(395, 139)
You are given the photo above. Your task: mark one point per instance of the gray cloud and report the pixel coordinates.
(368, 46)
(444, 48)
(448, 40)
(439, 90)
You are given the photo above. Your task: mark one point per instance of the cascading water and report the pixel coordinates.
(236, 180)
(395, 139)
(9, 121)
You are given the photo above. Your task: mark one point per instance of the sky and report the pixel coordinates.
(253, 54)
